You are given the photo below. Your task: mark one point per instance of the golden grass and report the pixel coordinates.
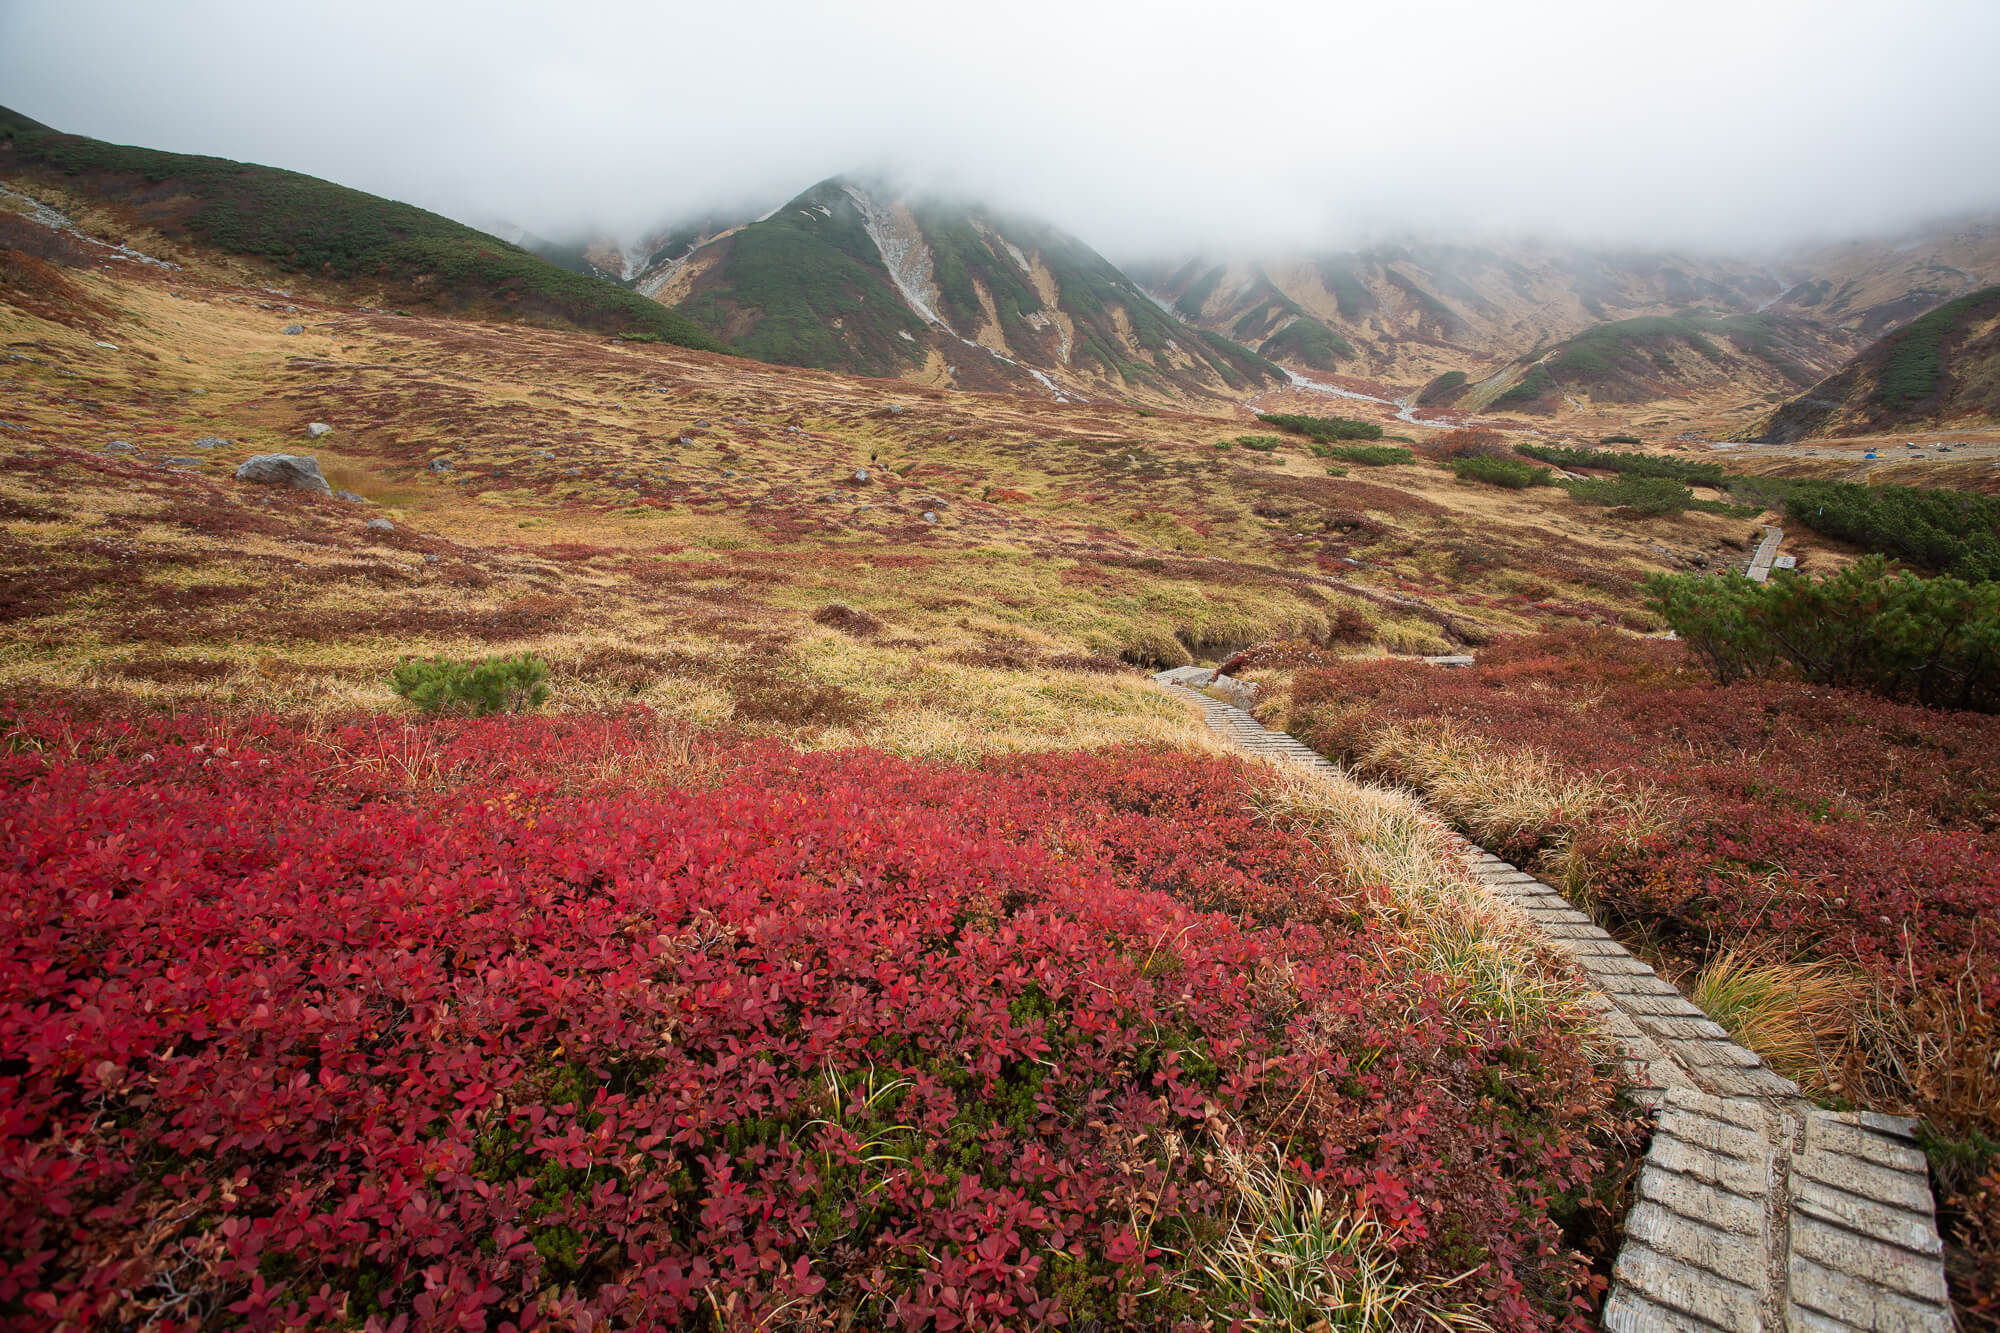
(1800, 1016)
(1389, 845)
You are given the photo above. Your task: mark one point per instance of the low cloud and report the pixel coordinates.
(1147, 129)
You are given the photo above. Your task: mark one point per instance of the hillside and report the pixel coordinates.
(386, 252)
(1940, 370)
(850, 277)
(1871, 287)
(1636, 361)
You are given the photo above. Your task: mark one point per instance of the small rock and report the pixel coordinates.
(118, 447)
(930, 516)
(297, 471)
(861, 474)
(381, 525)
(895, 409)
(440, 465)
(727, 473)
(293, 329)
(701, 421)
(683, 439)
(211, 442)
(319, 428)
(184, 462)
(109, 347)
(197, 391)
(572, 472)
(350, 497)
(430, 557)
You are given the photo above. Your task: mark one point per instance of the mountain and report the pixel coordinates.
(1656, 357)
(853, 277)
(376, 249)
(1872, 287)
(1940, 370)
(1410, 312)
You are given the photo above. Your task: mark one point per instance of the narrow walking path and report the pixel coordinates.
(1757, 1210)
(1766, 552)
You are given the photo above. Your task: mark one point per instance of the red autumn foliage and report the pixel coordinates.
(441, 1026)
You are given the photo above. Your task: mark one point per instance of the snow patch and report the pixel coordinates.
(904, 254)
(57, 220)
(1402, 405)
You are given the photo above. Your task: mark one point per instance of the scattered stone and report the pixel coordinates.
(572, 472)
(293, 329)
(895, 409)
(350, 497)
(430, 557)
(184, 462)
(197, 391)
(381, 525)
(440, 465)
(861, 475)
(211, 442)
(930, 516)
(109, 347)
(319, 428)
(701, 421)
(297, 471)
(118, 447)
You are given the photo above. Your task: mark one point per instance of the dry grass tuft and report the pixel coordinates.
(1289, 1261)
(1800, 1016)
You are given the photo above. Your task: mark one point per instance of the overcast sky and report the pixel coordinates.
(1147, 128)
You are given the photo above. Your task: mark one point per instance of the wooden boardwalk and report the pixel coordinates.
(1756, 1209)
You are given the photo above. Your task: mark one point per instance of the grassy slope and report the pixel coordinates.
(1941, 367)
(1068, 536)
(1634, 360)
(305, 225)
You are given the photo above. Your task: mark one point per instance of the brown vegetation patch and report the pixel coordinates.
(846, 619)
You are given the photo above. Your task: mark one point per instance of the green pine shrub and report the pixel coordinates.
(1509, 472)
(1325, 429)
(494, 685)
(1931, 641)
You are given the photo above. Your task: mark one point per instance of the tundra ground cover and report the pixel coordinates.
(531, 1021)
(1846, 844)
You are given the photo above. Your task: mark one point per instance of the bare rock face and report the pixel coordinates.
(297, 471)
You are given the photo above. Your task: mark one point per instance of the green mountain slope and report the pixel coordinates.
(301, 224)
(1941, 368)
(850, 277)
(1666, 356)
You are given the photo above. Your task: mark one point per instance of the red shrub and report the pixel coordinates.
(302, 1030)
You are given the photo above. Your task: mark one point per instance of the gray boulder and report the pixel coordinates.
(930, 516)
(293, 328)
(319, 428)
(350, 497)
(185, 462)
(118, 447)
(381, 525)
(440, 465)
(297, 471)
(861, 474)
(211, 442)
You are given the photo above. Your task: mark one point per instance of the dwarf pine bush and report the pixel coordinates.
(1933, 641)
(494, 685)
